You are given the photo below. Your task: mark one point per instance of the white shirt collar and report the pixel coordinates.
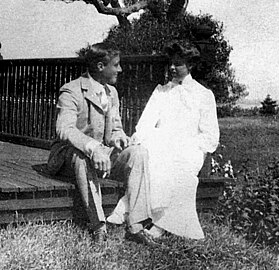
(100, 91)
(187, 79)
(97, 87)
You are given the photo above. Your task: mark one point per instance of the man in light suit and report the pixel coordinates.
(88, 129)
(90, 140)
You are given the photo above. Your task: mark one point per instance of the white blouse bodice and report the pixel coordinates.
(181, 120)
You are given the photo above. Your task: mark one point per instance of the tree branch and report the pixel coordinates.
(121, 19)
(115, 8)
(177, 8)
(112, 7)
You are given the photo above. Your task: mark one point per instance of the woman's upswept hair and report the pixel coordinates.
(99, 52)
(188, 52)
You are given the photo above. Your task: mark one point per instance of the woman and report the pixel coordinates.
(178, 127)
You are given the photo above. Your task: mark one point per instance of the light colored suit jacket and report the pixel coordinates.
(81, 119)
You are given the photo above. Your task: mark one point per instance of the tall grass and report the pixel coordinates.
(65, 246)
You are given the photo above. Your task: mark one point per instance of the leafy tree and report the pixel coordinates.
(149, 35)
(268, 106)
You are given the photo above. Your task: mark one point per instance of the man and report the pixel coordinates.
(89, 129)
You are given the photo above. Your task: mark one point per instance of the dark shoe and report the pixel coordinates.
(100, 236)
(141, 238)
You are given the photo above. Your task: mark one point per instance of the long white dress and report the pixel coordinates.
(178, 127)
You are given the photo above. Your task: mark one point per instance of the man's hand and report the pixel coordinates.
(121, 142)
(101, 160)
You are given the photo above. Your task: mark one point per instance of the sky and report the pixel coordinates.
(46, 29)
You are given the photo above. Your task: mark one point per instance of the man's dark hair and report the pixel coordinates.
(99, 52)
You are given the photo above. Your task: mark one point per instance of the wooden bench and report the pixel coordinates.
(28, 192)
(28, 94)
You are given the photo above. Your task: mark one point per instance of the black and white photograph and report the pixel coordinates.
(139, 134)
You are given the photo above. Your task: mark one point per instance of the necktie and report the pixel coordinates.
(103, 99)
(106, 108)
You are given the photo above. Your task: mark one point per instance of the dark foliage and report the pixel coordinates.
(252, 208)
(148, 35)
(269, 106)
(229, 110)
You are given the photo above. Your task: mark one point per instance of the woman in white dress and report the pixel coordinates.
(178, 127)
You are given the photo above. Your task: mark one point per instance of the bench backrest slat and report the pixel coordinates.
(29, 90)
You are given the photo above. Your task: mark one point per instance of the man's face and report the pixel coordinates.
(178, 68)
(110, 71)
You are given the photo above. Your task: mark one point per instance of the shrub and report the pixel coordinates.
(218, 166)
(229, 110)
(225, 110)
(252, 209)
(269, 106)
(254, 111)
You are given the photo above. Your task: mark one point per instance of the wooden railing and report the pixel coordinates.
(29, 90)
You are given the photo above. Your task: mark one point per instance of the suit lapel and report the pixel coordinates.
(89, 92)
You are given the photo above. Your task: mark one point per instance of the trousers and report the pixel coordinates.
(129, 167)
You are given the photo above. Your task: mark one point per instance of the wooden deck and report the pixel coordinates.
(27, 192)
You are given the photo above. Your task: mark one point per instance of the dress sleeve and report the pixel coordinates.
(209, 134)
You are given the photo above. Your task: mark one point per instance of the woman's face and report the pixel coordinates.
(178, 68)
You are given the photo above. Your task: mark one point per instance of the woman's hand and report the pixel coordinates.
(134, 140)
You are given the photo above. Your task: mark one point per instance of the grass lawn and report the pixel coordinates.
(65, 246)
(250, 141)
